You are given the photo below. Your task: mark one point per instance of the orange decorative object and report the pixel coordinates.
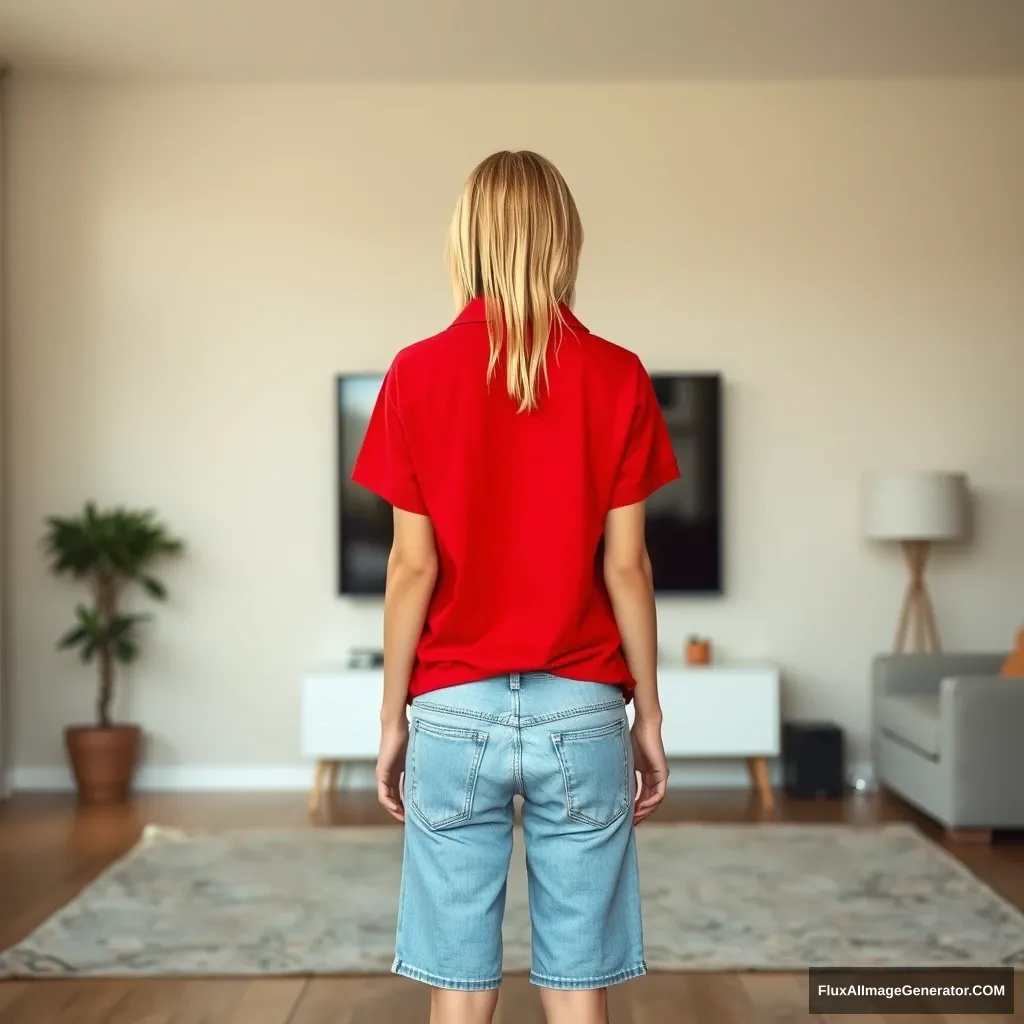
(698, 651)
(1014, 664)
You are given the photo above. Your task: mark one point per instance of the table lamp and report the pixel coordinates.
(917, 509)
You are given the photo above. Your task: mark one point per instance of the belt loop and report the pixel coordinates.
(513, 680)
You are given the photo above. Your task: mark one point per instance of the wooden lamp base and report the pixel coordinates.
(917, 614)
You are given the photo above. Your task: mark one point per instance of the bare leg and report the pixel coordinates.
(450, 1007)
(583, 1006)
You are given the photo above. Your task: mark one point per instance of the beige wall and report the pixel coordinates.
(190, 267)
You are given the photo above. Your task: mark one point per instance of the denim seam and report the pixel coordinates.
(464, 985)
(593, 732)
(600, 981)
(484, 716)
(401, 888)
(572, 713)
(480, 716)
(520, 784)
(448, 731)
(517, 743)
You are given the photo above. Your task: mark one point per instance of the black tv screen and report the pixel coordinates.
(684, 518)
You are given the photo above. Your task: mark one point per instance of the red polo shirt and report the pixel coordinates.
(517, 500)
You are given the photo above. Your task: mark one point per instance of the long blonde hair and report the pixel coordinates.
(515, 239)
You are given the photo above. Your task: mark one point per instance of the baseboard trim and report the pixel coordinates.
(184, 778)
(354, 775)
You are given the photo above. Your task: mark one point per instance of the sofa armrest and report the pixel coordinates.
(982, 725)
(982, 712)
(922, 673)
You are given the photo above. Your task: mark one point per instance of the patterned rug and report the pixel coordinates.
(755, 897)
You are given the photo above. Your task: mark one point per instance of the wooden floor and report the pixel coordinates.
(49, 850)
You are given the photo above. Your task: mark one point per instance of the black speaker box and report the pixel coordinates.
(812, 760)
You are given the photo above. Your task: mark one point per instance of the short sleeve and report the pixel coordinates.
(648, 461)
(384, 464)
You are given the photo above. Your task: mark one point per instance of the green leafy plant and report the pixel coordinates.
(111, 550)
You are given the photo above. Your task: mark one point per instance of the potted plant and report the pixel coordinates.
(110, 550)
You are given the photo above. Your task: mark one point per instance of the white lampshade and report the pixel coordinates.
(913, 505)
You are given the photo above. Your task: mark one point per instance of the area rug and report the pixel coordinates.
(715, 897)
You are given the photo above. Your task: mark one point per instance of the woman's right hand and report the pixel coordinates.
(651, 765)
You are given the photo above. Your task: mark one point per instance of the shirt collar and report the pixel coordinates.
(476, 313)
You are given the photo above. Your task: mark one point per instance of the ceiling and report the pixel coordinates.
(524, 40)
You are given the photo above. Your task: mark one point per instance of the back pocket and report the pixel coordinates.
(595, 767)
(444, 763)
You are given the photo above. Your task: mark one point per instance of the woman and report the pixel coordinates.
(518, 449)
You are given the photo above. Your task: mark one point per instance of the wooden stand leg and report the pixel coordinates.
(931, 628)
(758, 768)
(333, 770)
(903, 626)
(917, 613)
(974, 836)
(319, 775)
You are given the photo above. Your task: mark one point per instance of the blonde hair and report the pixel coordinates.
(515, 239)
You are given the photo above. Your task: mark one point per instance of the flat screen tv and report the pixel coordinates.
(684, 519)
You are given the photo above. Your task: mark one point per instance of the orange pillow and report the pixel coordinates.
(1014, 664)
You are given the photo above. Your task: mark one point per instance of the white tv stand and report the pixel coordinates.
(715, 711)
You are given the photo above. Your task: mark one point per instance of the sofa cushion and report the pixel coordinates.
(912, 718)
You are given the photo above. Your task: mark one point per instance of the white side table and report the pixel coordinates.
(340, 721)
(723, 711)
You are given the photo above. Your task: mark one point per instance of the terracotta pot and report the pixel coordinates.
(698, 652)
(103, 761)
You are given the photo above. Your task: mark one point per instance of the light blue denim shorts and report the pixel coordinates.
(562, 746)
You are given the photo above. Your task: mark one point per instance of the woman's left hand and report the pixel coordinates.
(394, 737)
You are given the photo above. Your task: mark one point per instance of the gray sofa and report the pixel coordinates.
(948, 737)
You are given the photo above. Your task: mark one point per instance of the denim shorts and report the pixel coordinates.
(563, 746)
